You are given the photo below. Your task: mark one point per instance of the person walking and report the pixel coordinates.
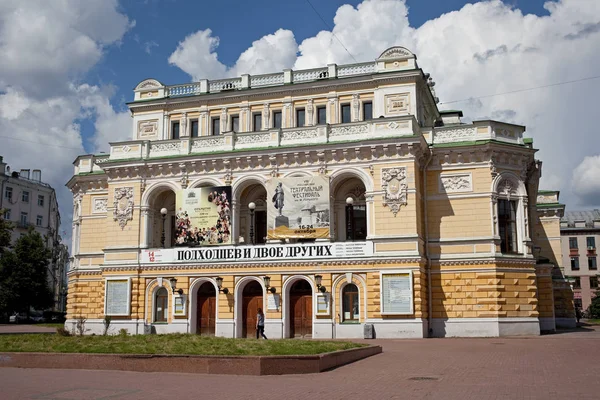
(260, 324)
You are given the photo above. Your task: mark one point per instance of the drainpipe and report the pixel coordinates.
(429, 289)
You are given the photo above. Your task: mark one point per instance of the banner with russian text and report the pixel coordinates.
(203, 216)
(298, 208)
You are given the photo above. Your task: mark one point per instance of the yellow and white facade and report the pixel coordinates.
(433, 222)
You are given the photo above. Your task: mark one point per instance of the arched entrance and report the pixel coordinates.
(301, 309)
(252, 300)
(206, 300)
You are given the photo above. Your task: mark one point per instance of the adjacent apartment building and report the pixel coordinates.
(338, 199)
(31, 202)
(580, 232)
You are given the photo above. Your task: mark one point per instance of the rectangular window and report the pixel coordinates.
(300, 115)
(216, 126)
(23, 219)
(592, 263)
(345, 108)
(367, 110)
(7, 215)
(39, 220)
(577, 283)
(507, 224)
(591, 243)
(257, 122)
(8, 193)
(175, 130)
(276, 119)
(25, 197)
(321, 115)
(593, 282)
(40, 200)
(572, 243)
(575, 263)
(235, 123)
(195, 131)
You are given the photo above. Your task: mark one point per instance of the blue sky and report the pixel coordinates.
(162, 24)
(68, 68)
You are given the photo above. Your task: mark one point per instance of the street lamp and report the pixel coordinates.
(220, 285)
(251, 207)
(267, 280)
(163, 212)
(318, 279)
(350, 218)
(173, 282)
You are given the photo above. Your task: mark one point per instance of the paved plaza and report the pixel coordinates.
(560, 366)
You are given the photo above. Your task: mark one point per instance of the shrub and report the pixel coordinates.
(123, 332)
(62, 332)
(107, 321)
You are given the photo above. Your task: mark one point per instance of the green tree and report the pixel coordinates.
(6, 228)
(594, 309)
(23, 275)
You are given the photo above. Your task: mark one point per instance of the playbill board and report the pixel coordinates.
(298, 208)
(203, 216)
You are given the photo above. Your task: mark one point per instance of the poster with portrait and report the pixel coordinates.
(203, 216)
(298, 208)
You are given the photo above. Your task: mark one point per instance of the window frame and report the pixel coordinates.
(26, 215)
(510, 225)
(508, 186)
(343, 106)
(232, 118)
(318, 109)
(273, 119)
(593, 279)
(297, 116)
(25, 193)
(8, 192)
(592, 263)
(355, 317)
(575, 264)
(41, 197)
(197, 123)
(364, 103)
(213, 121)
(165, 300)
(7, 215)
(173, 125)
(592, 241)
(254, 127)
(573, 239)
(39, 220)
(576, 282)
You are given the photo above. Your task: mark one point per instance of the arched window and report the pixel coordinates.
(510, 218)
(161, 305)
(350, 307)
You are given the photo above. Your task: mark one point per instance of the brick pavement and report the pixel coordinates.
(560, 366)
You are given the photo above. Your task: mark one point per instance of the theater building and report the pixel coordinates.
(340, 200)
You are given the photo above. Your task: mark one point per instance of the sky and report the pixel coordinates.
(68, 68)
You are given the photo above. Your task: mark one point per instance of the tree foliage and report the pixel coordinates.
(23, 275)
(6, 228)
(594, 309)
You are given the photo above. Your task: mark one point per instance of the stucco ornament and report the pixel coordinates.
(393, 183)
(123, 205)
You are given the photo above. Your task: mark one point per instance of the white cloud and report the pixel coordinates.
(46, 47)
(483, 48)
(586, 180)
(196, 55)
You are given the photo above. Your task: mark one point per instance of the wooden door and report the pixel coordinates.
(301, 311)
(251, 302)
(206, 315)
(206, 309)
(250, 310)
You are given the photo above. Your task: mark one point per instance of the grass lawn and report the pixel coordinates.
(166, 344)
(593, 321)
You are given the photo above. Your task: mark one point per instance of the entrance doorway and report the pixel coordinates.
(206, 309)
(252, 301)
(301, 310)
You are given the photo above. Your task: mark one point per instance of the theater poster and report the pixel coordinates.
(298, 208)
(203, 216)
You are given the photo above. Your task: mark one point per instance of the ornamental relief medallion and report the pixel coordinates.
(147, 128)
(396, 104)
(123, 205)
(393, 183)
(455, 183)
